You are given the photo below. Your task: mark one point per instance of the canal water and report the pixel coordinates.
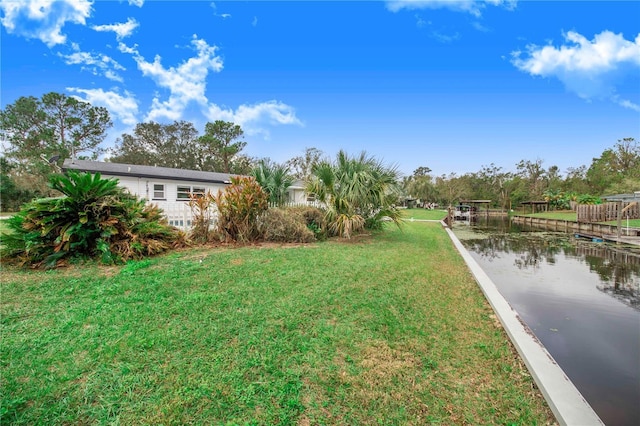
(580, 298)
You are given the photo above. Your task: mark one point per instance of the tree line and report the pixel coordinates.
(39, 133)
(616, 170)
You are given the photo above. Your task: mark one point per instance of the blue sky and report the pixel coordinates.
(452, 85)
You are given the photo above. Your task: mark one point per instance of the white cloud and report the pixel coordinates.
(138, 3)
(186, 82)
(97, 64)
(122, 30)
(43, 19)
(252, 118)
(591, 69)
(215, 12)
(124, 108)
(626, 103)
(478, 26)
(445, 38)
(473, 7)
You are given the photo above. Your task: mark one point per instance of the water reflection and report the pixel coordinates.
(618, 269)
(580, 298)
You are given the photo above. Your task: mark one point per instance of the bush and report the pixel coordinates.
(589, 199)
(201, 210)
(285, 225)
(314, 219)
(94, 218)
(239, 207)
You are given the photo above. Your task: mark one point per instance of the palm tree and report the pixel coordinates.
(359, 192)
(275, 179)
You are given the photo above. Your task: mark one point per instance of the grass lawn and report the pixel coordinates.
(390, 329)
(424, 214)
(633, 223)
(569, 215)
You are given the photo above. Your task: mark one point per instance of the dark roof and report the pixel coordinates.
(134, 170)
(623, 197)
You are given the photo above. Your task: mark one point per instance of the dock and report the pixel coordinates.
(589, 230)
(623, 239)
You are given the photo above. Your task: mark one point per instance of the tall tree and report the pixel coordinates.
(451, 188)
(42, 132)
(165, 145)
(533, 176)
(302, 165)
(55, 125)
(420, 185)
(617, 169)
(220, 143)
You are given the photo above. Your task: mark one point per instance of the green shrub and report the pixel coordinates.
(589, 199)
(285, 225)
(315, 220)
(93, 219)
(239, 207)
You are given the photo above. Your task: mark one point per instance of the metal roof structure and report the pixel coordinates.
(635, 196)
(134, 170)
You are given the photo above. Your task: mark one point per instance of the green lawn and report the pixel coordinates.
(407, 214)
(633, 223)
(391, 329)
(569, 215)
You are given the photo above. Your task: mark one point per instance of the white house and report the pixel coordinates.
(168, 188)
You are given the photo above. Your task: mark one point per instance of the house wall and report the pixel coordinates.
(176, 210)
(297, 196)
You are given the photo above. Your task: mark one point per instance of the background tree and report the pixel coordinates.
(220, 144)
(575, 180)
(301, 166)
(53, 127)
(451, 189)
(421, 185)
(242, 164)
(11, 196)
(617, 169)
(164, 145)
(533, 177)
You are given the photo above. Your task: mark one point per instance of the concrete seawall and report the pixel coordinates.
(589, 228)
(564, 399)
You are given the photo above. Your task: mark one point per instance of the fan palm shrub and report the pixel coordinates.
(275, 180)
(94, 218)
(358, 192)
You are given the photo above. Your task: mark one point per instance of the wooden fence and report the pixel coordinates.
(606, 212)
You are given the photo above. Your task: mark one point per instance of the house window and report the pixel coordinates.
(158, 191)
(185, 191)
